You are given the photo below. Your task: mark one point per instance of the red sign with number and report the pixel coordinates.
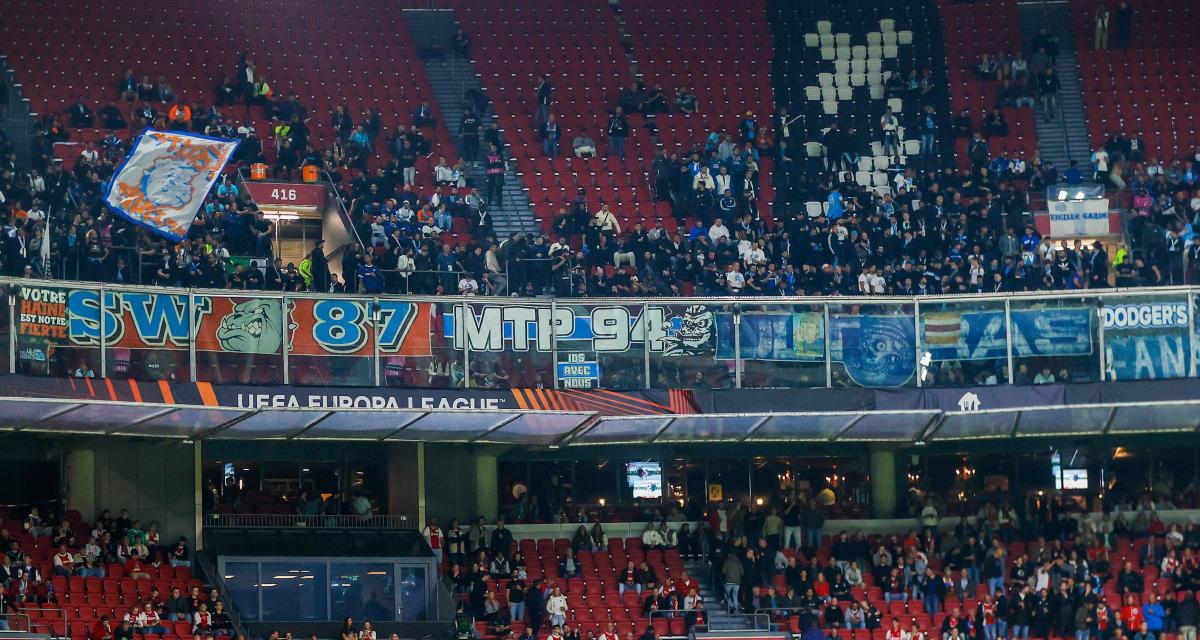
(286, 194)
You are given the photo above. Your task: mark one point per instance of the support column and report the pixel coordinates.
(487, 491)
(81, 482)
(406, 480)
(883, 483)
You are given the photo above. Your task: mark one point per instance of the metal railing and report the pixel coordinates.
(282, 521)
(206, 564)
(759, 621)
(46, 617)
(16, 622)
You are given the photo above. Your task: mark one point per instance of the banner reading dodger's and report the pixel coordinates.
(163, 182)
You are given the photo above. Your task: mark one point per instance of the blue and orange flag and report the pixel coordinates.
(162, 184)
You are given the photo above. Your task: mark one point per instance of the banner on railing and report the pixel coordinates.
(668, 330)
(231, 324)
(981, 335)
(774, 336)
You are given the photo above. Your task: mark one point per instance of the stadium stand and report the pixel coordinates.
(168, 53)
(1131, 88)
(968, 40)
(866, 57)
(877, 228)
(66, 578)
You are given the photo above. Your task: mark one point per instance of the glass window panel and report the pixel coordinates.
(872, 345)
(5, 329)
(270, 424)
(185, 422)
(967, 343)
(1146, 336)
(683, 346)
(722, 428)
(1066, 421)
(414, 594)
(605, 345)
(451, 426)
(100, 417)
(537, 428)
(895, 426)
(156, 356)
(813, 427)
(958, 426)
(366, 425)
(522, 364)
(1179, 417)
(362, 590)
(44, 347)
(294, 591)
(241, 579)
(333, 343)
(781, 345)
(1054, 340)
(612, 431)
(20, 414)
(240, 341)
(441, 369)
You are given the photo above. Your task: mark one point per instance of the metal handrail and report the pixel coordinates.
(283, 520)
(10, 618)
(62, 615)
(205, 563)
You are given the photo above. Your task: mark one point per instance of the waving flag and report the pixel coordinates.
(164, 180)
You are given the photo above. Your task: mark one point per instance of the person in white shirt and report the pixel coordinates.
(756, 255)
(607, 221)
(717, 231)
(556, 606)
(467, 286)
(651, 538)
(704, 178)
(734, 280)
(723, 180)
(405, 213)
(443, 174)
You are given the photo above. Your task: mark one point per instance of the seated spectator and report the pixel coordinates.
(80, 114)
(685, 101)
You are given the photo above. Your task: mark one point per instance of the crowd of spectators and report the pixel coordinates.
(933, 230)
(1042, 568)
(49, 548)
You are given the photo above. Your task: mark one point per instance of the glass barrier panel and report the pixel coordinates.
(426, 355)
(146, 334)
(6, 324)
(239, 339)
(872, 345)
(1054, 340)
(781, 345)
(241, 579)
(1146, 336)
(58, 331)
(525, 357)
(684, 340)
(362, 590)
(414, 594)
(294, 590)
(600, 346)
(967, 343)
(332, 339)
